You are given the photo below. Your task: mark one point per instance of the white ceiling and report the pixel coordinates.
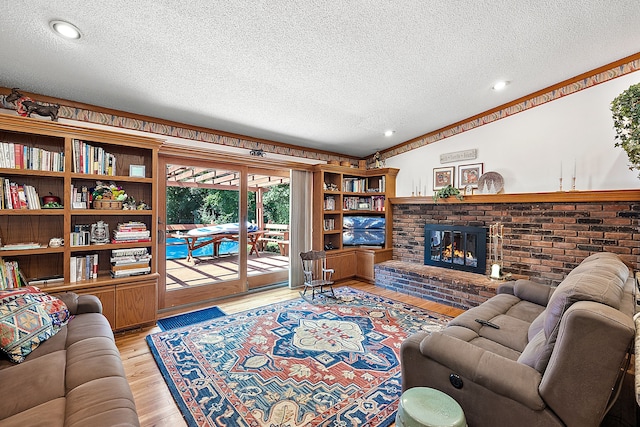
(324, 74)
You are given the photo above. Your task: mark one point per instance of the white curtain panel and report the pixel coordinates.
(300, 220)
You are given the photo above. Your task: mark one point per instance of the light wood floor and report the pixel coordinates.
(155, 405)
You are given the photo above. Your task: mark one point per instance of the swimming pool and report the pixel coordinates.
(177, 248)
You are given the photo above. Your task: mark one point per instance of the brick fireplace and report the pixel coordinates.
(543, 240)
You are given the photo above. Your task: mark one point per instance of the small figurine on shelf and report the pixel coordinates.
(376, 159)
(26, 106)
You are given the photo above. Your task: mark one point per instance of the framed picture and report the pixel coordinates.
(469, 175)
(443, 177)
(137, 171)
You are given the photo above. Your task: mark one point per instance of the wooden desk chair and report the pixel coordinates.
(316, 273)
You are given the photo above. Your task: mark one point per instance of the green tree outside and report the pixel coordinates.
(207, 206)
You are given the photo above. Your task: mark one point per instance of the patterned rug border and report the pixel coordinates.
(261, 310)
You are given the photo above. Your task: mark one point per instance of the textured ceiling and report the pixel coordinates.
(324, 74)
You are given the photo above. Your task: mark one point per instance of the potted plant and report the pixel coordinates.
(447, 191)
(626, 121)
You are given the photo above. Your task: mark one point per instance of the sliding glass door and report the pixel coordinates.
(224, 230)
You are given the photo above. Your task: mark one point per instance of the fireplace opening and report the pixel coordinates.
(456, 247)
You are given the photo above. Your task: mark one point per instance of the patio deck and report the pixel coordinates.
(205, 270)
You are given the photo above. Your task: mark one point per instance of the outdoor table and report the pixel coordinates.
(215, 240)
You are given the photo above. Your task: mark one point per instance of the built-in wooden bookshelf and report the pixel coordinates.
(127, 301)
(342, 193)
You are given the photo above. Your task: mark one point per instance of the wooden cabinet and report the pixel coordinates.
(52, 159)
(343, 194)
(107, 296)
(136, 304)
(343, 262)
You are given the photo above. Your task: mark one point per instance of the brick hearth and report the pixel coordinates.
(459, 289)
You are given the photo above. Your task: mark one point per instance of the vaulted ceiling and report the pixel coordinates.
(323, 74)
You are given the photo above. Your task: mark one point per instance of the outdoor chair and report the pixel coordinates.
(316, 273)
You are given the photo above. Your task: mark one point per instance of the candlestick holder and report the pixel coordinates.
(413, 194)
(573, 184)
(560, 184)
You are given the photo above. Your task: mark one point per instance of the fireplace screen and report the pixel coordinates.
(456, 247)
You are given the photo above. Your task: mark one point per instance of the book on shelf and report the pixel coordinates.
(84, 267)
(130, 262)
(21, 246)
(19, 156)
(130, 266)
(329, 224)
(10, 275)
(329, 203)
(132, 231)
(46, 280)
(131, 226)
(137, 252)
(132, 272)
(90, 159)
(130, 259)
(80, 197)
(18, 196)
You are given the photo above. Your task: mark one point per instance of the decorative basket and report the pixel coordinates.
(107, 204)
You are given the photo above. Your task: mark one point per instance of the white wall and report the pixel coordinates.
(527, 148)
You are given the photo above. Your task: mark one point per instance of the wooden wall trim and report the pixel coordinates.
(175, 151)
(550, 197)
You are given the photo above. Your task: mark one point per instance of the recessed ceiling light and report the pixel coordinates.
(500, 85)
(389, 132)
(65, 29)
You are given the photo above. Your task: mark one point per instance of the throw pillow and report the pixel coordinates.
(56, 308)
(24, 324)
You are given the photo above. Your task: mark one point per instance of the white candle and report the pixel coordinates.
(574, 168)
(560, 169)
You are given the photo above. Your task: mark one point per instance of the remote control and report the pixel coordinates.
(487, 323)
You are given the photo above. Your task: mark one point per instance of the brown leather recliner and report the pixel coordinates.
(546, 357)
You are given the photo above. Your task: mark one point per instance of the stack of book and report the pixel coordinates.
(84, 267)
(130, 232)
(130, 262)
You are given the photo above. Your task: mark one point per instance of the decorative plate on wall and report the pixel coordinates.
(490, 183)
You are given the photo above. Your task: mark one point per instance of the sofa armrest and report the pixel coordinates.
(78, 304)
(89, 304)
(502, 376)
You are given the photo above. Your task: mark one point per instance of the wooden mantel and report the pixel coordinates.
(550, 197)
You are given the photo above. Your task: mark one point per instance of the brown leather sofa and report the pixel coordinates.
(75, 378)
(556, 357)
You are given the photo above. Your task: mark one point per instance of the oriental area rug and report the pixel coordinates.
(327, 362)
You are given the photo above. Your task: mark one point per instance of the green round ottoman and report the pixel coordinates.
(428, 407)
